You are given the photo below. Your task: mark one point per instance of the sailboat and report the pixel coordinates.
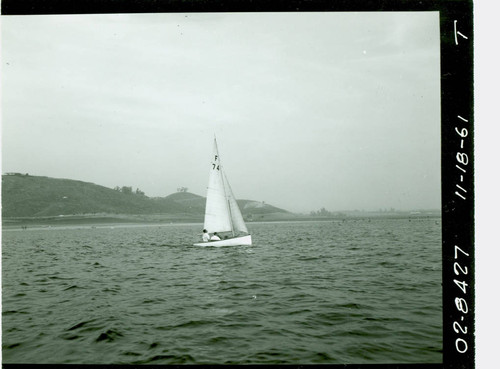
(222, 214)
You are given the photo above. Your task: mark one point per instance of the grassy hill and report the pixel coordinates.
(34, 196)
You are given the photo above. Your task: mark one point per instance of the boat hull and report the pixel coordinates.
(236, 241)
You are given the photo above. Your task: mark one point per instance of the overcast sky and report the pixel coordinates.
(310, 110)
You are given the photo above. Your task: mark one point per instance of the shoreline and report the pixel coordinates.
(110, 220)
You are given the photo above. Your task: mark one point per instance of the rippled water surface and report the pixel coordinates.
(359, 291)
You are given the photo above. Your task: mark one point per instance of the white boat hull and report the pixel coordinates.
(236, 241)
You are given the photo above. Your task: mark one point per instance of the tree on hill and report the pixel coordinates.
(321, 213)
(127, 190)
(182, 189)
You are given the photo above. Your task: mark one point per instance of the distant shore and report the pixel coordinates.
(113, 219)
(99, 219)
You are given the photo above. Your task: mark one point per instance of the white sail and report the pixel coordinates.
(217, 216)
(236, 217)
(222, 213)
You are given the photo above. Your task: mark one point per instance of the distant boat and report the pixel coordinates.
(222, 214)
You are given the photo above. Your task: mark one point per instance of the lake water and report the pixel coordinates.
(332, 292)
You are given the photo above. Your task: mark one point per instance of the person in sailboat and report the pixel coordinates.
(215, 237)
(206, 236)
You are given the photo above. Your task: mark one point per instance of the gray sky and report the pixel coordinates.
(311, 110)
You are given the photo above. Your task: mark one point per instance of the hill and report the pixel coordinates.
(35, 196)
(249, 208)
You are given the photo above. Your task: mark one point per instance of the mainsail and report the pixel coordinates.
(222, 213)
